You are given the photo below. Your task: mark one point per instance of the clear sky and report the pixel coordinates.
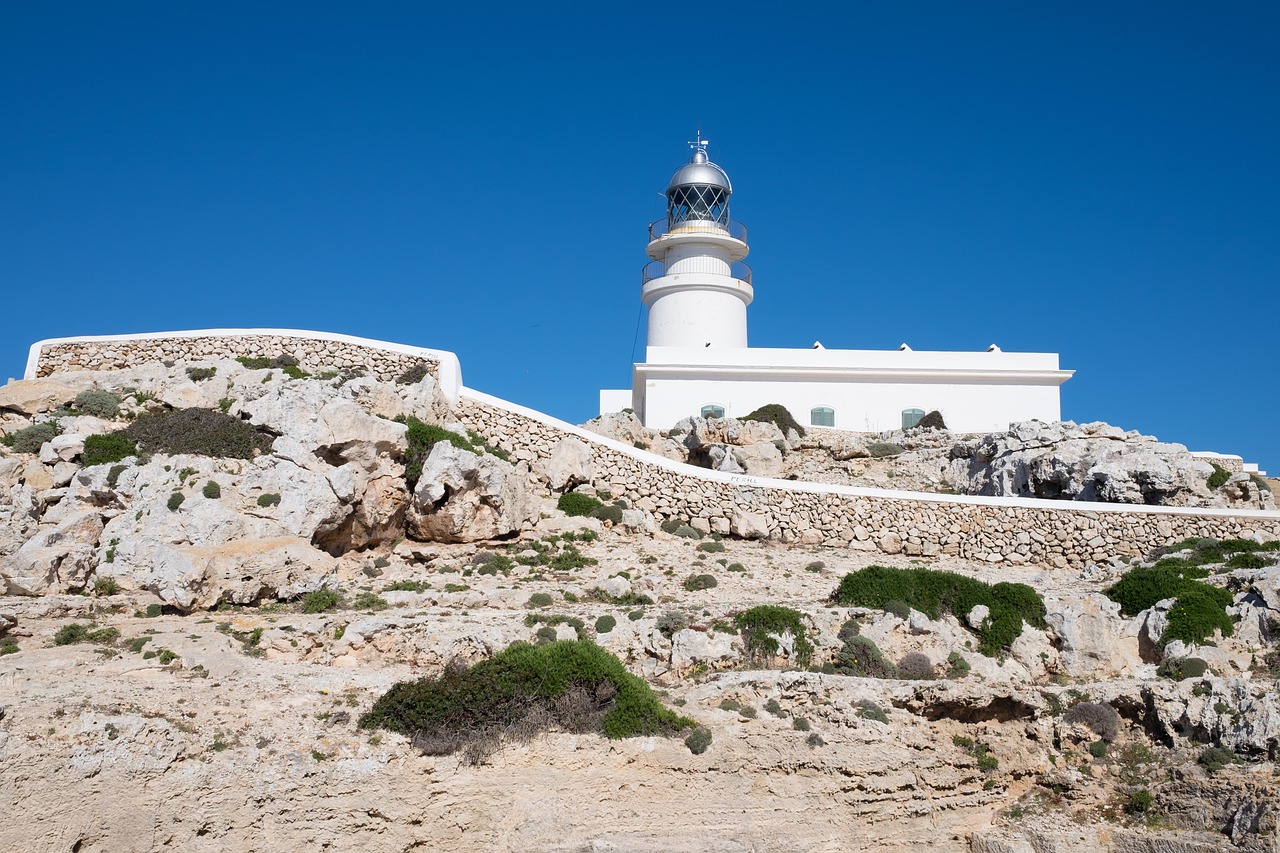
(1096, 179)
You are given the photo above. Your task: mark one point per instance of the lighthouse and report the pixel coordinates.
(696, 287)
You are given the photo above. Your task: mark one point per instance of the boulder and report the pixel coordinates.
(7, 623)
(308, 411)
(748, 525)
(760, 460)
(1090, 636)
(568, 465)
(621, 426)
(55, 560)
(463, 497)
(690, 648)
(34, 396)
(62, 448)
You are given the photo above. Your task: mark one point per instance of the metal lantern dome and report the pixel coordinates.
(699, 191)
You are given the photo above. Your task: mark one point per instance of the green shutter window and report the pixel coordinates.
(711, 410)
(911, 417)
(822, 416)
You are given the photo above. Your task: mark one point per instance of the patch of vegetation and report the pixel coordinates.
(212, 490)
(202, 432)
(957, 666)
(861, 657)
(712, 547)
(1099, 717)
(676, 527)
(259, 362)
(884, 449)
(915, 666)
(1219, 476)
(369, 601)
(113, 473)
(200, 374)
(105, 586)
(539, 599)
(762, 625)
(778, 415)
(320, 600)
(175, 501)
(670, 623)
(421, 437)
(77, 633)
(1215, 758)
(413, 374)
(869, 710)
(935, 592)
(694, 583)
(898, 608)
(1180, 669)
(1247, 561)
(605, 624)
(30, 439)
(1198, 610)
(611, 513)
(699, 740)
(800, 724)
(98, 402)
(1140, 801)
(933, 420)
(8, 646)
(407, 586)
(268, 499)
(575, 504)
(573, 685)
(111, 447)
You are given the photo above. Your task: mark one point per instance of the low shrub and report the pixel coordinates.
(573, 685)
(1180, 669)
(699, 740)
(1199, 608)
(1219, 476)
(1247, 561)
(575, 504)
(884, 449)
(605, 624)
(8, 646)
(933, 420)
(936, 592)
(212, 490)
(268, 499)
(203, 432)
(320, 600)
(676, 527)
(369, 601)
(850, 628)
(915, 666)
(545, 634)
(762, 625)
(869, 710)
(671, 622)
(1098, 749)
(260, 362)
(1099, 717)
(200, 374)
(712, 547)
(175, 501)
(957, 666)
(421, 437)
(800, 724)
(77, 633)
(103, 449)
(695, 583)
(1215, 758)
(113, 474)
(1197, 614)
(611, 513)
(539, 599)
(413, 375)
(1140, 801)
(861, 657)
(98, 402)
(105, 586)
(778, 415)
(898, 608)
(30, 439)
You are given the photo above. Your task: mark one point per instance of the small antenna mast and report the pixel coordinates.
(700, 144)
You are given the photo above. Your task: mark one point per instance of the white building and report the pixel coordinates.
(697, 361)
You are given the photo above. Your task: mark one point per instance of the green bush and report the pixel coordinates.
(539, 599)
(694, 583)
(699, 740)
(369, 601)
(800, 724)
(200, 374)
(1099, 717)
(611, 513)
(545, 634)
(1216, 758)
(761, 626)
(575, 504)
(671, 622)
(262, 362)
(30, 439)
(862, 658)
(1140, 801)
(320, 600)
(712, 547)
(605, 624)
(572, 684)
(112, 447)
(105, 586)
(935, 592)
(77, 633)
(99, 403)
(1197, 613)
(676, 527)
(1199, 608)
(883, 449)
(413, 375)
(1219, 476)
(175, 501)
(869, 710)
(1098, 749)
(778, 415)
(1247, 561)
(1180, 669)
(933, 420)
(898, 608)
(203, 432)
(8, 646)
(957, 666)
(421, 437)
(212, 490)
(268, 499)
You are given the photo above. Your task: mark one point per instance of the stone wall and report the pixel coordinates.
(313, 352)
(995, 530)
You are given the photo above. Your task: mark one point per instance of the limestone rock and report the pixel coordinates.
(242, 572)
(58, 559)
(462, 497)
(748, 525)
(308, 411)
(35, 396)
(569, 464)
(7, 623)
(1090, 636)
(763, 459)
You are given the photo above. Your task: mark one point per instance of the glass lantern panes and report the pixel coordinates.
(693, 203)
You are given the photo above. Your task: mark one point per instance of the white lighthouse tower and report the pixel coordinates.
(696, 288)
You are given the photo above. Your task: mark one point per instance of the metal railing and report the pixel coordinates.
(734, 228)
(657, 269)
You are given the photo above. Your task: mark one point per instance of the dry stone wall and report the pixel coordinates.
(994, 530)
(116, 354)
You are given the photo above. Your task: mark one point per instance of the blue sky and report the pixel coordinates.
(1094, 179)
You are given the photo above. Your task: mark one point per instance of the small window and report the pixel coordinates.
(711, 410)
(911, 417)
(822, 416)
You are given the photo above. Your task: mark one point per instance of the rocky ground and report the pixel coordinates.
(173, 676)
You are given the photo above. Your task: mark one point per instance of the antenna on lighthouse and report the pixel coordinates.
(700, 144)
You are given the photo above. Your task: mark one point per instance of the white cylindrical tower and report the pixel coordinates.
(696, 288)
